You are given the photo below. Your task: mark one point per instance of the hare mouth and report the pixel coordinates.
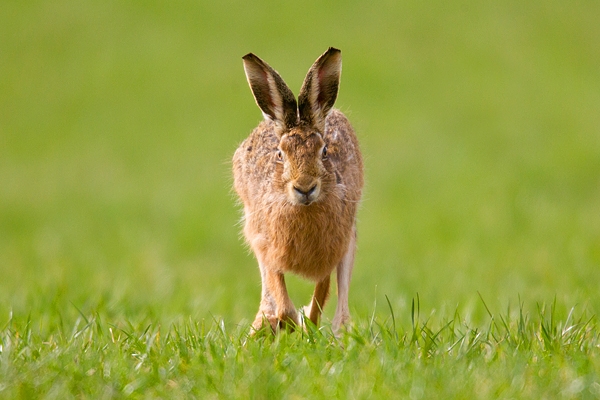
(306, 202)
(302, 200)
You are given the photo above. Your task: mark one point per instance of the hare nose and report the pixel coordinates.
(305, 193)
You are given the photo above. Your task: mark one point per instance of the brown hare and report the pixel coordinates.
(299, 176)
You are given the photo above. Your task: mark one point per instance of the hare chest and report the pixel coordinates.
(307, 241)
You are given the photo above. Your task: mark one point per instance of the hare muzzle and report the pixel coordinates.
(302, 192)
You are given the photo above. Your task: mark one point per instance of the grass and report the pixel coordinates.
(514, 354)
(122, 273)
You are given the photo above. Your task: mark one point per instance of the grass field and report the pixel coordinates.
(122, 271)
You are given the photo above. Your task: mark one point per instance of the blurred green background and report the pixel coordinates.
(479, 123)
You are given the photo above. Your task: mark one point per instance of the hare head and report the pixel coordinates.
(302, 152)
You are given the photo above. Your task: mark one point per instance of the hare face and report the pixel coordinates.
(303, 166)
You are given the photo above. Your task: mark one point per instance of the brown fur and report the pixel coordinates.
(300, 183)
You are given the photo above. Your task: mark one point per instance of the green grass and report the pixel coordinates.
(514, 355)
(121, 266)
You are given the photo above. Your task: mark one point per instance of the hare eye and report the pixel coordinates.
(324, 154)
(279, 155)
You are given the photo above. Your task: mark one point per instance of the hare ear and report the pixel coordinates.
(272, 95)
(320, 89)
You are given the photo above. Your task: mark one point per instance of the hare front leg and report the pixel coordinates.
(344, 273)
(266, 310)
(275, 304)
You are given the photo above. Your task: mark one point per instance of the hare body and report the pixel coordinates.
(299, 176)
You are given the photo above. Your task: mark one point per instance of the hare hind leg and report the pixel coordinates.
(344, 273)
(318, 300)
(276, 307)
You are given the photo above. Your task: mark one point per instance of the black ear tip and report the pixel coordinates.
(249, 56)
(333, 50)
